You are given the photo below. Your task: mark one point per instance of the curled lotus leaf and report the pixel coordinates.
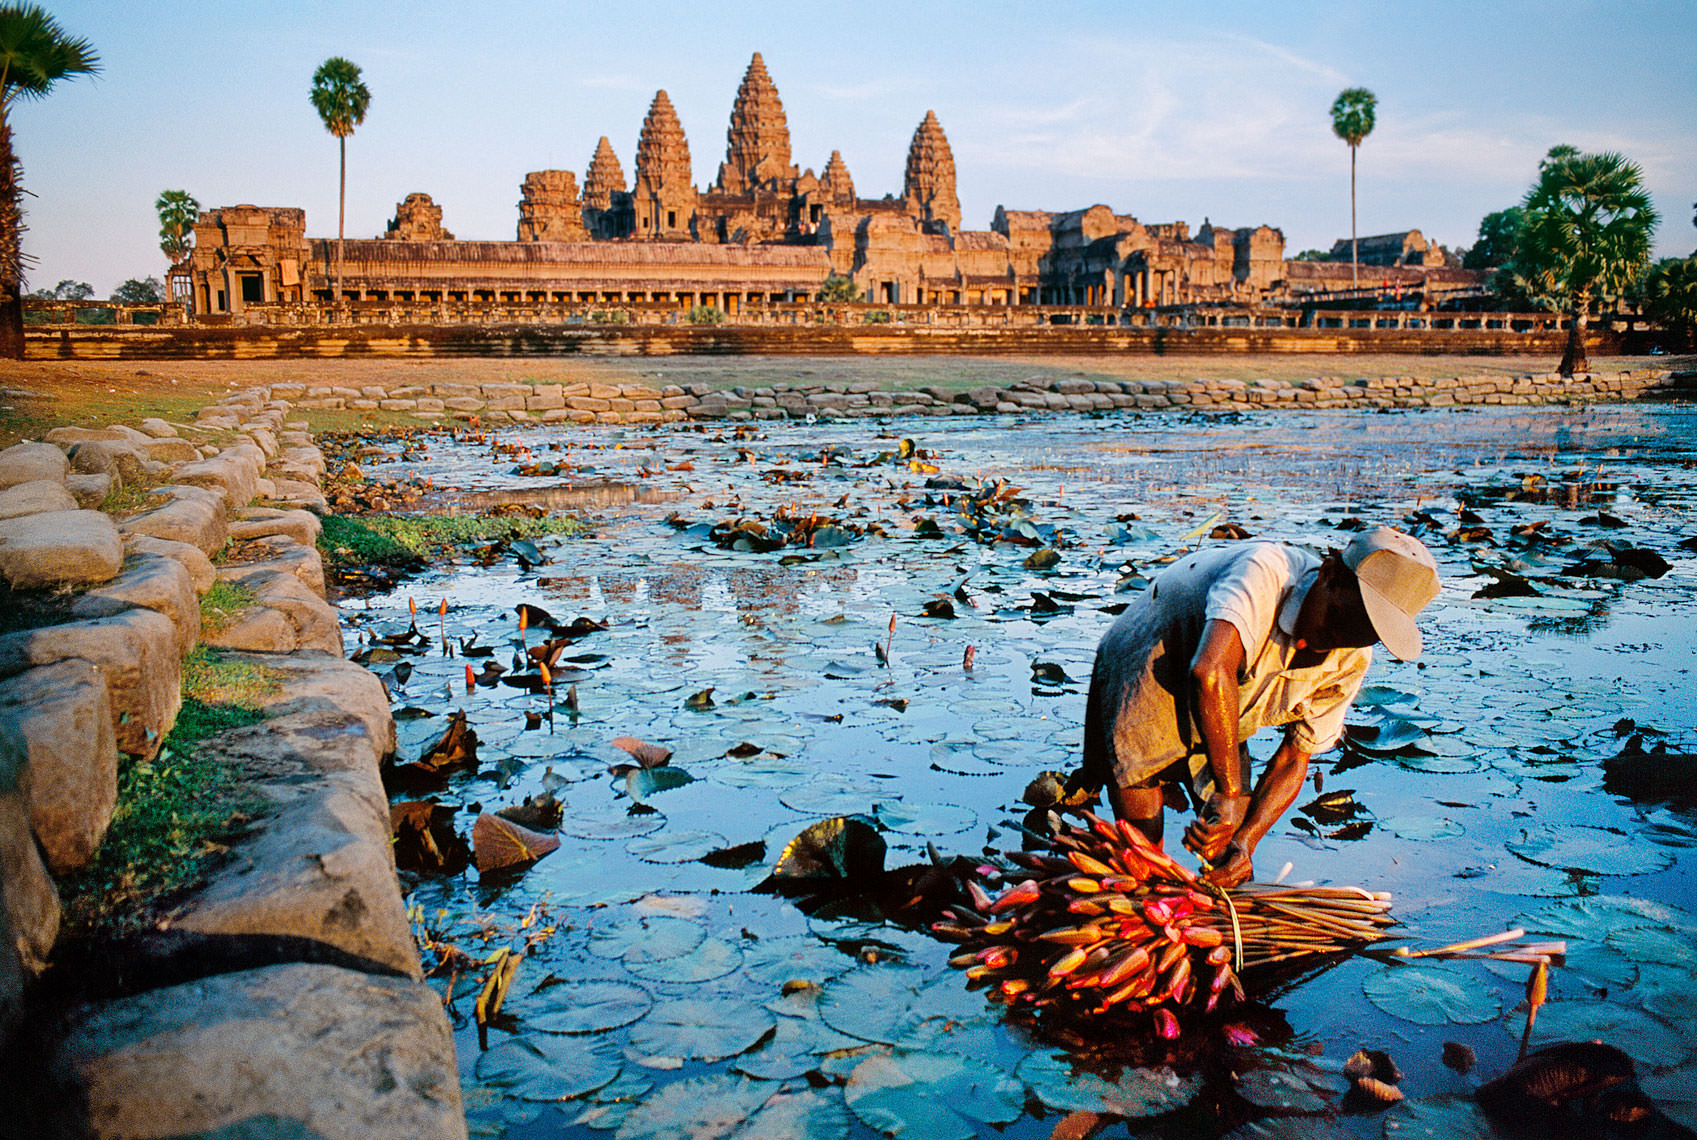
(846, 847)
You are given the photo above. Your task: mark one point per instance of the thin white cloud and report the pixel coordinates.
(618, 82)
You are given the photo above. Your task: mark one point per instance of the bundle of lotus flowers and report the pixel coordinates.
(1107, 919)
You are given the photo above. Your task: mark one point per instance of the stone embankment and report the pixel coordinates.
(606, 403)
(284, 995)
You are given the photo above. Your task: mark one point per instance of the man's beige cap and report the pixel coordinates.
(1398, 577)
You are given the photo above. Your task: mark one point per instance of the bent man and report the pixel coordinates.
(1225, 642)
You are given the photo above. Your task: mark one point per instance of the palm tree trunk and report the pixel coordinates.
(11, 248)
(1354, 251)
(341, 218)
(1574, 359)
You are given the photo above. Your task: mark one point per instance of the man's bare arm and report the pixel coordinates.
(1214, 672)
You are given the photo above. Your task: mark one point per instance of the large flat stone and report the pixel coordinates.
(283, 553)
(195, 515)
(233, 473)
(192, 558)
(312, 623)
(154, 582)
(299, 494)
(58, 749)
(260, 522)
(27, 462)
(306, 1052)
(123, 459)
(327, 712)
(137, 653)
(35, 498)
(57, 548)
(172, 450)
(89, 490)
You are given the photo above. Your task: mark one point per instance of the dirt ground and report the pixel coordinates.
(36, 395)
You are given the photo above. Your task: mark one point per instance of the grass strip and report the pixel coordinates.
(220, 606)
(395, 540)
(175, 812)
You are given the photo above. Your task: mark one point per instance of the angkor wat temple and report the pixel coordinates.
(765, 231)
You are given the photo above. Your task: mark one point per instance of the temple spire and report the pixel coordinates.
(664, 193)
(929, 182)
(757, 143)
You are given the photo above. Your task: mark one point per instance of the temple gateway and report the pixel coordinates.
(765, 231)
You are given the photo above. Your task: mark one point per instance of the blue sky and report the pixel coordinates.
(1164, 111)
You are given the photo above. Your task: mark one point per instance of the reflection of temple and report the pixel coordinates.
(766, 230)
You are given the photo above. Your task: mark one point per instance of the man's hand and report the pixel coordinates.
(1208, 835)
(1236, 869)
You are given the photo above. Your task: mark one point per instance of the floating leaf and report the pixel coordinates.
(1284, 1089)
(701, 1108)
(646, 754)
(1656, 944)
(1429, 996)
(931, 1096)
(1647, 1039)
(701, 1029)
(1439, 1118)
(927, 819)
(1581, 847)
(714, 958)
(650, 937)
(1061, 1084)
(847, 847)
(675, 846)
(645, 783)
(605, 827)
(497, 842)
(591, 1007)
(811, 1113)
(553, 1068)
(871, 1003)
(1422, 827)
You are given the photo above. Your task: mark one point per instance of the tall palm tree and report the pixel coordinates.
(1352, 121)
(341, 99)
(35, 53)
(1586, 236)
(178, 212)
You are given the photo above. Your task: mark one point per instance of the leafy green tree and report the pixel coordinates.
(69, 290)
(35, 53)
(1584, 239)
(1670, 296)
(1312, 255)
(1352, 121)
(178, 212)
(838, 290)
(145, 290)
(341, 99)
(1498, 233)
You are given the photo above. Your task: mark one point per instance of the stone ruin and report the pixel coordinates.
(417, 219)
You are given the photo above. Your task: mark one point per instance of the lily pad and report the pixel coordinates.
(1595, 917)
(870, 1003)
(812, 1113)
(925, 819)
(931, 1096)
(1581, 847)
(1290, 1090)
(1422, 827)
(1440, 1118)
(1429, 996)
(591, 1007)
(552, 1068)
(702, 1108)
(701, 1029)
(1649, 1041)
(604, 827)
(1656, 944)
(714, 958)
(649, 938)
(829, 797)
(675, 846)
(1133, 1092)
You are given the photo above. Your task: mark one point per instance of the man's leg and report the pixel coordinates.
(1142, 806)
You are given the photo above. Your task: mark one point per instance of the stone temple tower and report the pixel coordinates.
(664, 194)
(757, 150)
(548, 207)
(835, 183)
(606, 204)
(928, 186)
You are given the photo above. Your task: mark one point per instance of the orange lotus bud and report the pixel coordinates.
(412, 607)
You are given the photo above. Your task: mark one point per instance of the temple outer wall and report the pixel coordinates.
(402, 341)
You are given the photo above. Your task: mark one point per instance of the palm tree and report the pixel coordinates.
(1352, 121)
(1585, 235)
(341, 99)
(35, 53)
(178, 212)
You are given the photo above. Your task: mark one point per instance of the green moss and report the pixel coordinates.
(222, 604)
(176, 811)
(129, 498)
(392, 540)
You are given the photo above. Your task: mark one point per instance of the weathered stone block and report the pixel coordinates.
(602, 391)
(588, 404)
(504, 391)
(287, 1051)
(30, 462)
(29, 903)
(156, 428)
(190, 558)
(89, 490)
(544, 402)
(124, 460)
(295, 494)
(58, 751)
(259, 522)
(195, 515)
(679, 402)
(397, 405)
(56, 548)
(137, 653)
(310, 622)
(171, 450)
(35, 498)
(154, 582)
(639, 392)
(505, 403)
(429, 405)
(233, 473)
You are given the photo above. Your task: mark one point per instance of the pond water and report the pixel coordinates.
(651, 1001)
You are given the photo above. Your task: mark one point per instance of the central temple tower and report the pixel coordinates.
(757, 150)
(664, 195)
